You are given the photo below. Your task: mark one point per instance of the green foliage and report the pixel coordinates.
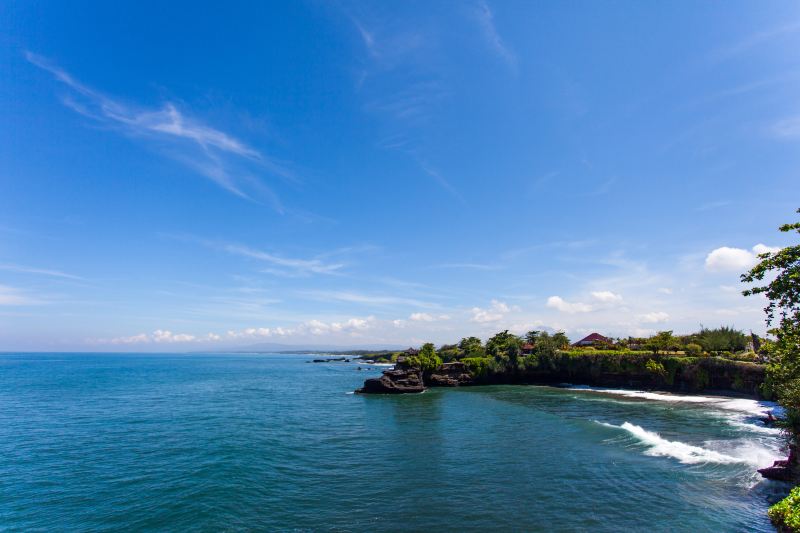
(594, 351)
(478, 366)
(532, 336)
(724, 339)
(504, 348)
(783, 295)
(427, 360)
(663, 341)
(560, 340)
(702, 379)
(654, 367)
(750, 357)
(693, 349)
(471, 347)
(785, 514)
(449, 352)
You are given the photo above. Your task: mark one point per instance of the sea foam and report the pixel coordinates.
(683, 452)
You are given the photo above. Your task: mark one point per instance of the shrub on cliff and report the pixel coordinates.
(693, 349)
(786, 513)
(478, 366)
(654, 367)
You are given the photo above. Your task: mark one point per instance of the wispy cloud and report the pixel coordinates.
(314, 266)
(468, 266)
(408, 108)
(13, 296)
(755, 39)
(280, 264)
(360, 298)
(485, 18)
(38, 271)
(441, 180)
(786, 128)
(708, 206)
(217, 155)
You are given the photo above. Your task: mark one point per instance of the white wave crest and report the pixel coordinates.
(742, 405)
(690, 454)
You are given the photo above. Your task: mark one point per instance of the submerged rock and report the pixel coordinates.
(395, 381)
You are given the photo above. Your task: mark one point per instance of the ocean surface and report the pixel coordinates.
(93, 442)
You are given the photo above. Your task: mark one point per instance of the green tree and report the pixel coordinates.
(471, 347)
(693, 349)
(505, 348)
(426, 360)
(661, 342)
(561, 340)
(449, 352)
(783, 311)
(532, 336)
(724, 339)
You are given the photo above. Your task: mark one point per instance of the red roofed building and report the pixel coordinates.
(593, 339)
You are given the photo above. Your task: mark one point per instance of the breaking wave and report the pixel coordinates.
(746, 452)
(742, 405)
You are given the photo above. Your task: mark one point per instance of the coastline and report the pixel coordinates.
(673, 374)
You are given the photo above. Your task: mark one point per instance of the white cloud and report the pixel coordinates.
(427, 317)
(167, 336)
(654, 317)
(759, 249)
(160, 336)
(665, 290)
(352, 327)
(496, 311)
(607, 297)
(727, 259)
(557, 302)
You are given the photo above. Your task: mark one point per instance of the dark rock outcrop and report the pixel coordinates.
(450, 375)
(395, 381)
(784, 469)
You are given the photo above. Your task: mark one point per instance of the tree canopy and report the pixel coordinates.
(783, 311)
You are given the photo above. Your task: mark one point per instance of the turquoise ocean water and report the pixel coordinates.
(93, 442)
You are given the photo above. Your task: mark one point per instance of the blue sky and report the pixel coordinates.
(184, 176)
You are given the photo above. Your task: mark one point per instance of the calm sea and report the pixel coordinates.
(96, 442)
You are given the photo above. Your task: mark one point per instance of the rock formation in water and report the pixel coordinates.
(784, 469)
(395, 381)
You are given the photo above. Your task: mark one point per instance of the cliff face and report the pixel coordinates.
(666, 373)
